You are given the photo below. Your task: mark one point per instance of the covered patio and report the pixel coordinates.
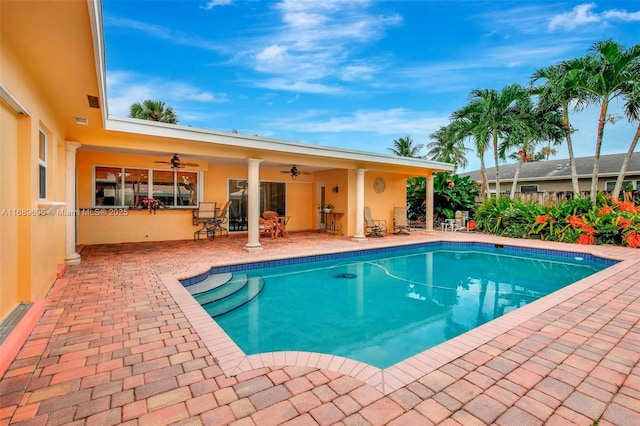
(115, 347)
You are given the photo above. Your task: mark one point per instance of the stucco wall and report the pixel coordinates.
(120, 225)
(32, 246)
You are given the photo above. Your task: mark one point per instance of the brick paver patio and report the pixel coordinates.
(116, 345)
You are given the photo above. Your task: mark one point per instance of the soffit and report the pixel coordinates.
(54, 42)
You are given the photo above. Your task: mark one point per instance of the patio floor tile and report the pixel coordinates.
(117, 344)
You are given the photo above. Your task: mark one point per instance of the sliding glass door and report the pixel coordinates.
(273, 196)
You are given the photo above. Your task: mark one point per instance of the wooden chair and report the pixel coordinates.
(204, 217)
(280, 222)
(267, 227)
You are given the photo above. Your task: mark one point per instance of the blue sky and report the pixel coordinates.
(353, 74)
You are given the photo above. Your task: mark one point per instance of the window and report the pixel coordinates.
(273, 197)
(42, 166)
(528, 188)
(612, 184)
(127, 187)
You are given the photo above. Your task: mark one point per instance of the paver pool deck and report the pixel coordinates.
(120, 343)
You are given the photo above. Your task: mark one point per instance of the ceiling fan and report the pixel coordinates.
(294, 172)
(176, 163)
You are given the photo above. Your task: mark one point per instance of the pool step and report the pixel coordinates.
(210, 283)
(253, 286)
(226, 289)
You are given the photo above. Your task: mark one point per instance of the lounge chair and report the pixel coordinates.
(400, 224)
(204, 216)
(373, 227)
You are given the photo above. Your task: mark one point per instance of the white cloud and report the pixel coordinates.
(584, 14)
(580, 15)
(163, 33)
(126, 88)
(314, 42)
(214, 3)
(621, 15)
(291, 85)
(395, 121)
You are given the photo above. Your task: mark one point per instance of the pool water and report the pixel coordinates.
(381, 309)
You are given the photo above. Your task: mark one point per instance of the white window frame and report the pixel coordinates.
(150, 184)
(613, 185)
(43, 142)
(530, 184)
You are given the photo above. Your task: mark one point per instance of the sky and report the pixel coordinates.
(353, 74)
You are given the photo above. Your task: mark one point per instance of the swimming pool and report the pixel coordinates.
(383, 306)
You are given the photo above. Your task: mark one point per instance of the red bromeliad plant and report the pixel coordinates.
(632, 239)
(572, 221)
(588, 232)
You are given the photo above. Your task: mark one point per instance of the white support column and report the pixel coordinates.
(71, 257)
(429, 202)
(253, 200)
(359, 235)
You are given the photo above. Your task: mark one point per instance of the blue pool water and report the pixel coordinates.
(385, 307)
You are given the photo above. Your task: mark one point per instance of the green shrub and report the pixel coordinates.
(573, 221)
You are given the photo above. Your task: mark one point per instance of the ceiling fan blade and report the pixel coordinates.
(184, 163)
(163, 162)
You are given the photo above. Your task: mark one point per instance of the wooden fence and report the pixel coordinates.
(552, 197)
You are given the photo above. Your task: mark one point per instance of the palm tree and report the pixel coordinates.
(492, 113)
(632, 111)
(605, 73)
(547, 151)
(403, 147)
(465, 128)
(154, 111)
(532, 126)
(446, 146)
(560, 90)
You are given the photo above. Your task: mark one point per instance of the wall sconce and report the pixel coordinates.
(335, 189)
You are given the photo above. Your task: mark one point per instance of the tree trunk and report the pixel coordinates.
(515, 180)
(596, 160)
(495, 158)
(623, 170)
(572, 163)
(484, 186)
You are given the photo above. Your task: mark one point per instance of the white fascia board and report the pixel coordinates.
(97, 31)
(175, 131)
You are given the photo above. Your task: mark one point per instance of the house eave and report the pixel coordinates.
(193, 134)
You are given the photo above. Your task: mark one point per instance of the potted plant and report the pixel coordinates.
(327, 208)
(151, 204)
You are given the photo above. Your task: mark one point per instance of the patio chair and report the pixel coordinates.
(400, 223)
(373, 227)
(220, 220)
(280, 222)
(267, 227)
(204, 217)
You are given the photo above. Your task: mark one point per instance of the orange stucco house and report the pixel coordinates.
(73, 174)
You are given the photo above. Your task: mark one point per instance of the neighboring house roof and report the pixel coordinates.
(559, 169)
